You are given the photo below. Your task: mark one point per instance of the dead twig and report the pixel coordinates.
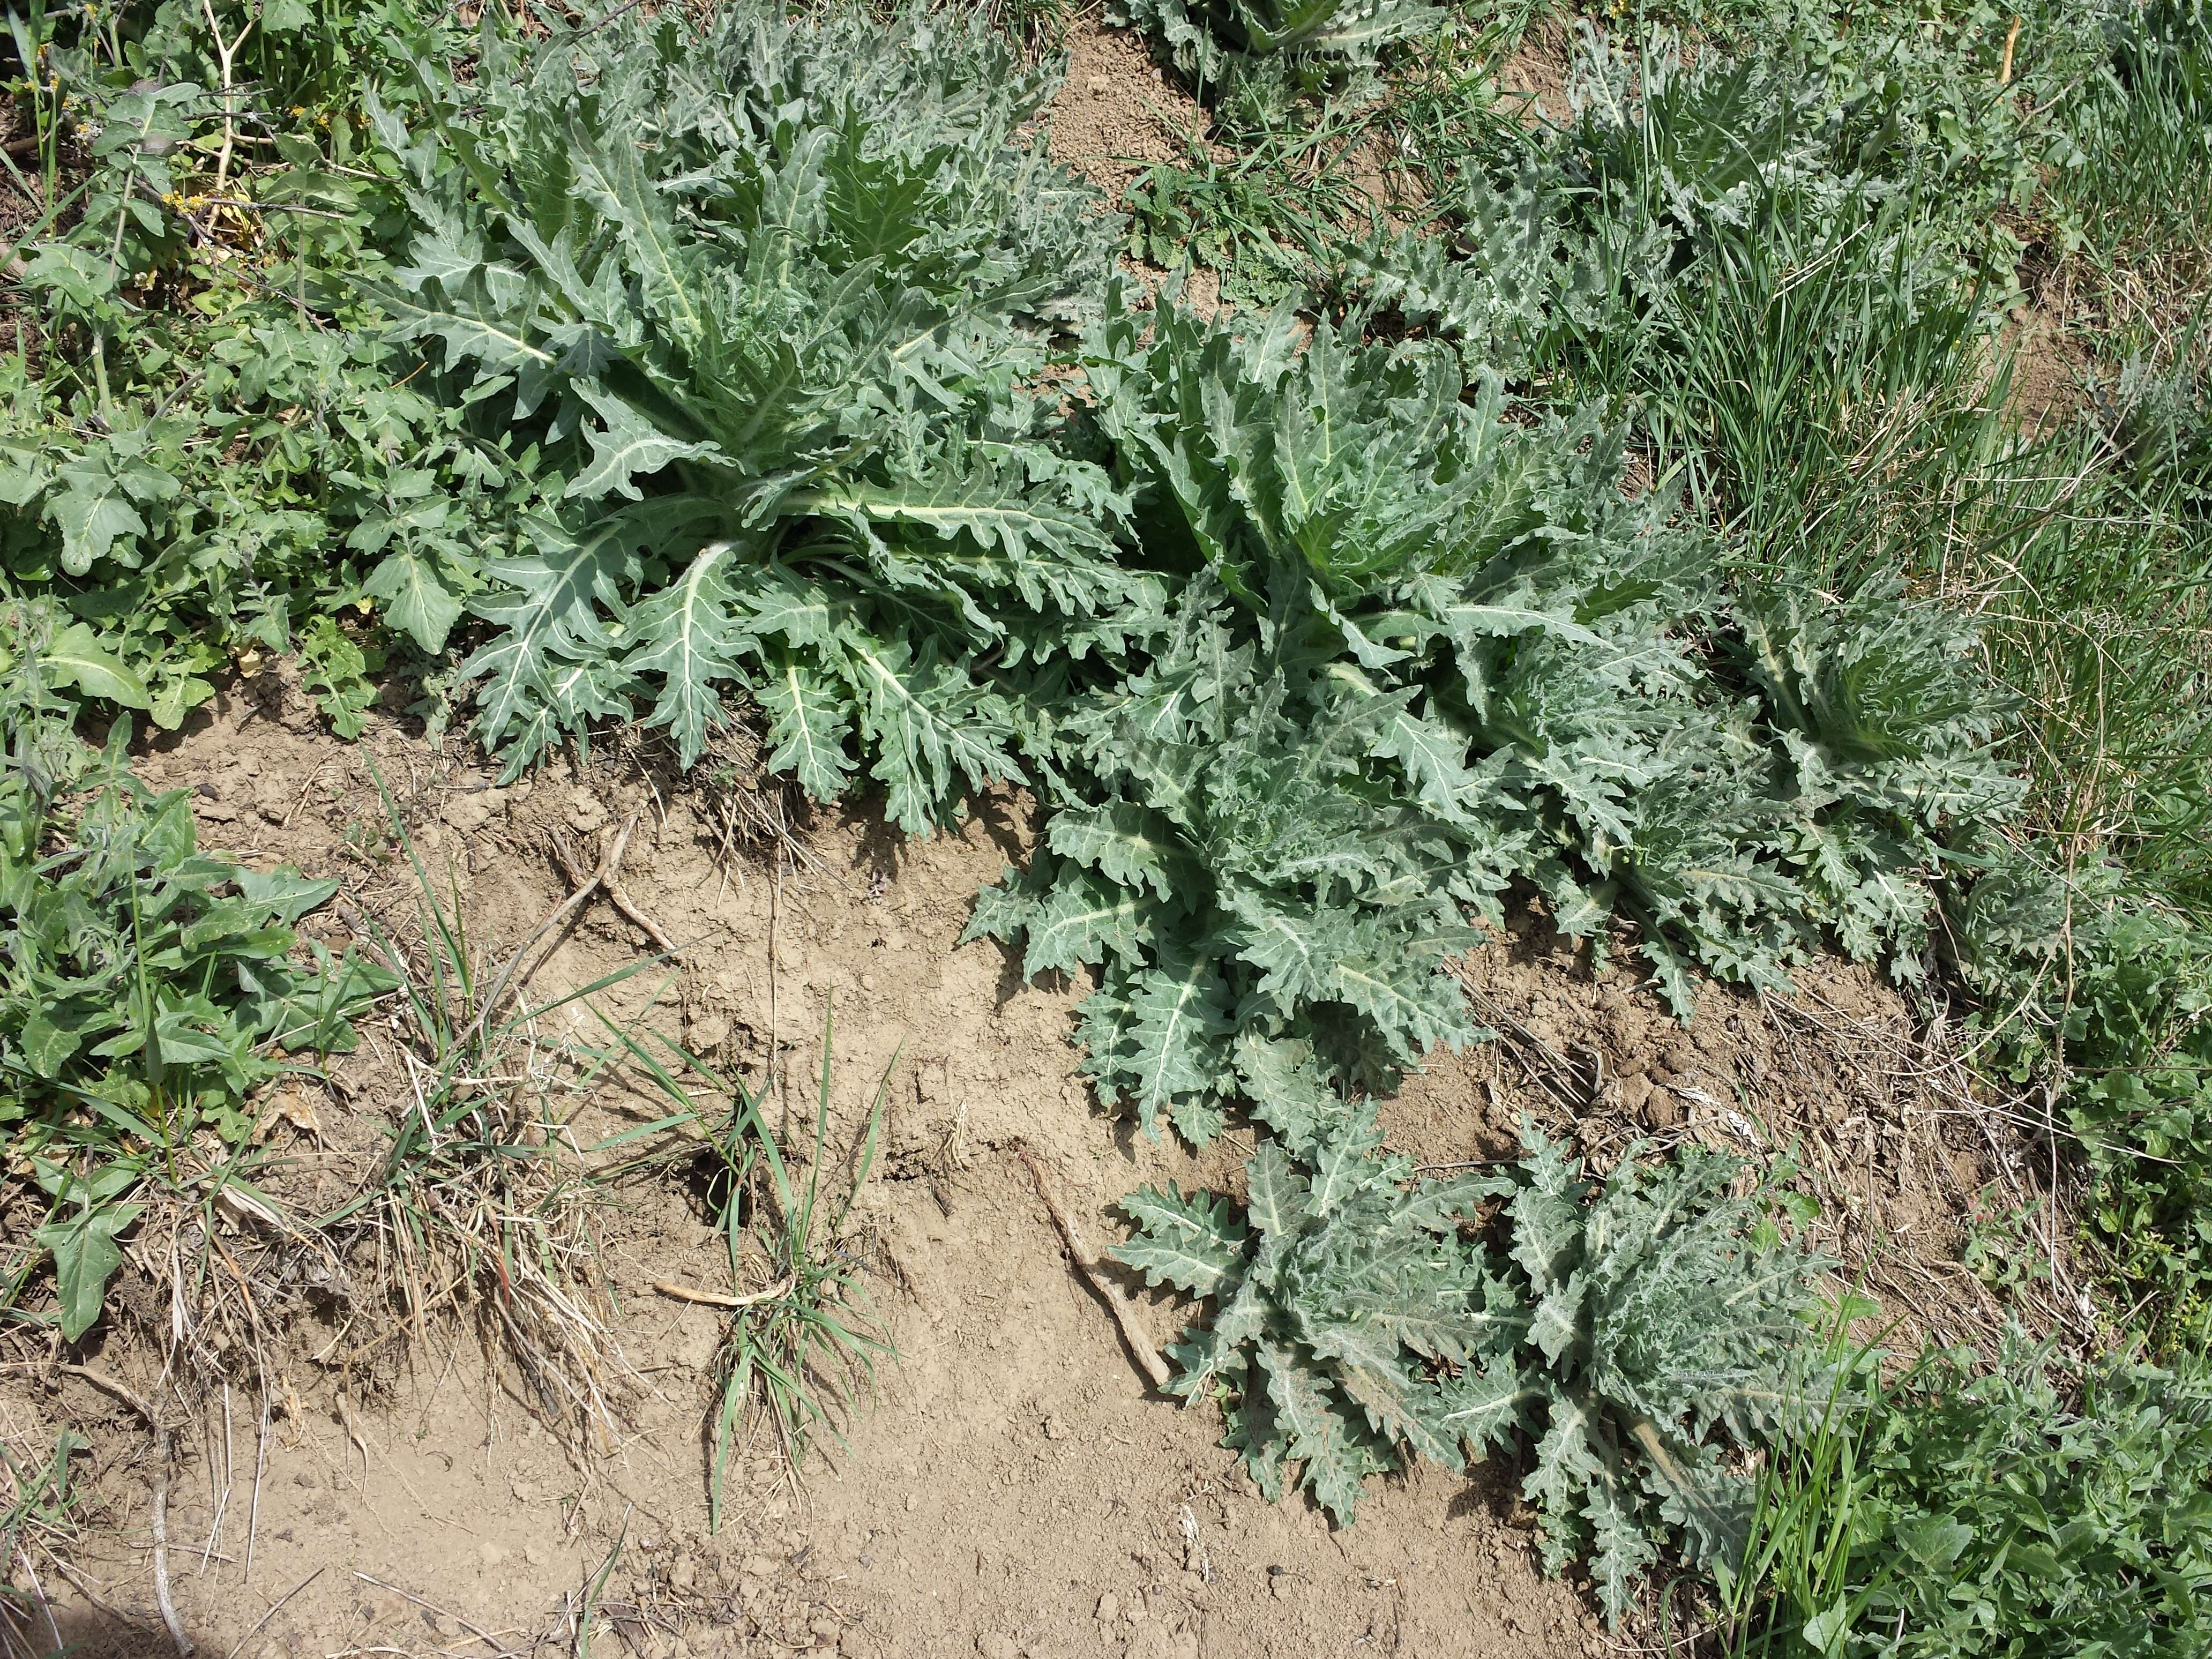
(722, 1299)
(106, 1384)
(222, 1500)
(1086, 1262)
(161, 1544)
(275, 1608)
(260, 1468)
(606, 878)
(481, 1634)
(226, 53)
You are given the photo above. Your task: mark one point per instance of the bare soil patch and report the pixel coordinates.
(1117, 112)
(1540, 70)
(2049, 368)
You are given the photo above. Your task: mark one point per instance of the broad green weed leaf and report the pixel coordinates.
(74, 657)
(47, 1045)
(416, 599)
(86, 1256)
(94, 512)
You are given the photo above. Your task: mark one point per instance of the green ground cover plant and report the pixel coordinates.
(1977, 1505)
(210, 455)
(151, 993)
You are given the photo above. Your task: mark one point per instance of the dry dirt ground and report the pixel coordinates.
(1011, 1486)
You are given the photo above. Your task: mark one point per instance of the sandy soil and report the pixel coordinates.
(1117, 113)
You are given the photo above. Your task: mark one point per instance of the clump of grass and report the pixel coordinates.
(801, 1339)
(480, 1204)
(1271, 198)
(38, 1497)
(2134, 216)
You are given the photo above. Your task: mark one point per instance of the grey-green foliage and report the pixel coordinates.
(1311, 647)
(1669, 1327)
(772, 298)
(1635, 1337)
(1341, 1293)
(1200, 35)
(1252, 57)
(1422, 646)
(1837, 117)
(1502, 279)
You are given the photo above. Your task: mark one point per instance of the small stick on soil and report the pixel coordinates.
(1086, 1262)
(102, 1381)
(431, 1606)
(161, 1544)
(260, 1467)
(722, 1299)
(276, 1607)
(606, 878)
(2012, 39)
(106, 1384)
(628, 907)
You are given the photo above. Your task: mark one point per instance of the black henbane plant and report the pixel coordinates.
(1636, 1335)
